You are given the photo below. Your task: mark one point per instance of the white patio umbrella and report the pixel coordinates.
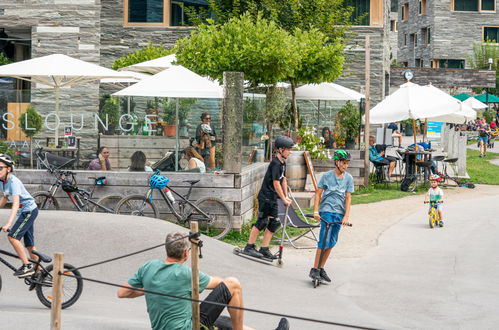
(176, 82)
(133, 77)
(460, 117)
(152, 66)
(475, 104)
(327, 92)
(57, 71)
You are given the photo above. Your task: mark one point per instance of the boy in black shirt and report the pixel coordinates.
(273, 186)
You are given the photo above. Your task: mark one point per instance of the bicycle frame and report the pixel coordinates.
(9, 265)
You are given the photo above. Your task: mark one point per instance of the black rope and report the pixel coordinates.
(191, 235)
(301, 318)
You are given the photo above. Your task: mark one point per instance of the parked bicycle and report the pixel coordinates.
(81, 198)
(212, 214)
(447, 179)
(41, 280)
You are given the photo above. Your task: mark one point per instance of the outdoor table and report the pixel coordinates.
(410, 158)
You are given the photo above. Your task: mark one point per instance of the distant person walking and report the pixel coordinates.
(483, 137)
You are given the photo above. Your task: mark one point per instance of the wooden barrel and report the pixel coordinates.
(296, 171)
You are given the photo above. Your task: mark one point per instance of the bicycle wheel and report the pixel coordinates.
(71, 287)
(109, 201)
(431, 219)
(137, 205)
(219, 222)
(0, 283)
(44, 201)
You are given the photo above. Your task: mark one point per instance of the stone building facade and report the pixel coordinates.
(441, 34)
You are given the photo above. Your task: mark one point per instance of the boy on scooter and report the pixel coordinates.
(334, 195)
(273, 186)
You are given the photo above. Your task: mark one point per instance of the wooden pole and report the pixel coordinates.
(414, 132)
(367, 128)
(55, 314)
(195, 277)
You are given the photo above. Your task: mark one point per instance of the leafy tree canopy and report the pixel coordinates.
(479, 59)
(143, 54)
(259, 48)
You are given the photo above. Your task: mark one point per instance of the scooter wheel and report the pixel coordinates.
(280, 263)
(316, 283)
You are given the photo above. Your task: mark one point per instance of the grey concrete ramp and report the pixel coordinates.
(90, 237)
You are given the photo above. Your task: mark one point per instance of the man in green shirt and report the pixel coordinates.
(171, 276)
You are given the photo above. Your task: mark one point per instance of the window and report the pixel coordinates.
(159, 12)
(491, 33)
(434, 64)
(394, 6)
(464, 5)
(405, 12)
(426, 36)
(422, 7)
(451, 64)
(488, 5)
(405, 64)
(405, 39)
(413, 39)
(361, 11)
(393, 25)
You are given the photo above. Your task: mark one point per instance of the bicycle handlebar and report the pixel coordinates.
(433, 202)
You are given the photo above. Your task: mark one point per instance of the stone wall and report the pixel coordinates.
(450, 78)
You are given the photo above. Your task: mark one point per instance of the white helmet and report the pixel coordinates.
(206, 128)
(7, 160)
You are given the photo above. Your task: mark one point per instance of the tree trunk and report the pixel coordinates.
(268, 154)
(294, 108)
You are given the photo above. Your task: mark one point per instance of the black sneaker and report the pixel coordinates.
(37, 277)
(250, 250)
(266, 253)
(324, 276)
(283, 324)
(314, 274)
(24, 271)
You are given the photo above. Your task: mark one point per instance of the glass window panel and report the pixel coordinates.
(145, 11)
(451, 64)
(466, 5)
(488, 4)
(178, 17)
(394, 6)
(491, 33)
(361, 9)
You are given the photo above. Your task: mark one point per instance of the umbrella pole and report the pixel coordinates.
(414, 129)
(425, 136)
(57, 97)
(176, 134)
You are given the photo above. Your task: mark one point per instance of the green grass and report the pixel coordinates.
(481, 170)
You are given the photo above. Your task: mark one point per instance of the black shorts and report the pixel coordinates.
(209, 313)
(267, 214)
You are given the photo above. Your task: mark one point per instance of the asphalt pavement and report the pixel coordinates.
(415, 277)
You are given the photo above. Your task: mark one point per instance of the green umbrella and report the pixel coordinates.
(463, 96)
(487, 98)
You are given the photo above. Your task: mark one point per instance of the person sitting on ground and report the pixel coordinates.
(195, 161)
(396, 133)
(379, 157)
(329, 141)
(138, 162)
(101, 163)
(435, 194)
(171, 276)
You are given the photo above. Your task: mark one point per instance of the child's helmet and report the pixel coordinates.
(283, 142)
(7, 161)
(435, 177)
(158, 181)
(341, 154)
(206, 128)
(493, 125)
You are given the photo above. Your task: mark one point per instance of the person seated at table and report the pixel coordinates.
(379, 157)
(396, 132)
(423, 146)
(138, 162)
(329, 141)
(195, 161)
(101, 163)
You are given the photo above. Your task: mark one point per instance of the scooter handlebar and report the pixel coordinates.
(311, 215)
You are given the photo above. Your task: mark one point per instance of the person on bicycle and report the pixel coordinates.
(274, 186)
(435, 194)
(483, 137)
(333, 194)
(171, 276)
(23, 210)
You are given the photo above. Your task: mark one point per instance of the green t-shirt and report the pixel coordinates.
(165, 312)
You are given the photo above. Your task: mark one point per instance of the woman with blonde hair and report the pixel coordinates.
(195, 160)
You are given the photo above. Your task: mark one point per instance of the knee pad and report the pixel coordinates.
(261, 223)
(273, 224)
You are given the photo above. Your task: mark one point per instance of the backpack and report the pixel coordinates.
(406, 182)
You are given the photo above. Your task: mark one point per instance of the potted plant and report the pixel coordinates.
(111, 109)
(31, 123)
(169, 111)
(408, 129)
(349, 121)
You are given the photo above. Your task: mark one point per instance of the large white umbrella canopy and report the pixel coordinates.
(475, 104)
(176, 81)
(132, 78)
(57, 71)
(460, 117)
(152, 66)
(412, 101)
(328, 92)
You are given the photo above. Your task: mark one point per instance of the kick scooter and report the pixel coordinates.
(318, 281)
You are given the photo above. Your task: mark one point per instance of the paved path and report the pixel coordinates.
(390, 270)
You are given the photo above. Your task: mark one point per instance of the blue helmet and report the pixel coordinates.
(158, 181)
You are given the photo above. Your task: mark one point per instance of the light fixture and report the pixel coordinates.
(78, 42)
(39, 43)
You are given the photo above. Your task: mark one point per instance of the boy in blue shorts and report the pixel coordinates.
(24, 209)
(334, 195)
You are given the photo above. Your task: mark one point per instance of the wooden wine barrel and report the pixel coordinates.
(296, 171)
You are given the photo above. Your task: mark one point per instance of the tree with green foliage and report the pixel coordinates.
(263, 51)
(149, 52)
(479, 59)
(4, 59)
(31, 123)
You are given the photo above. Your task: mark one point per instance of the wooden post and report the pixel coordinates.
(195, 278)
(232, 111)
(55, 315)
(367, 128)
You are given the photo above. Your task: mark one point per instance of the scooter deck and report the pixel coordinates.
(238, 251)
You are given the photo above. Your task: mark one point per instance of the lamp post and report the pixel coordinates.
(487, 95)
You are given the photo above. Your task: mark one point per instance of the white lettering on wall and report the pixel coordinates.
(81, 126)
(56, 119)
(4, 117)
